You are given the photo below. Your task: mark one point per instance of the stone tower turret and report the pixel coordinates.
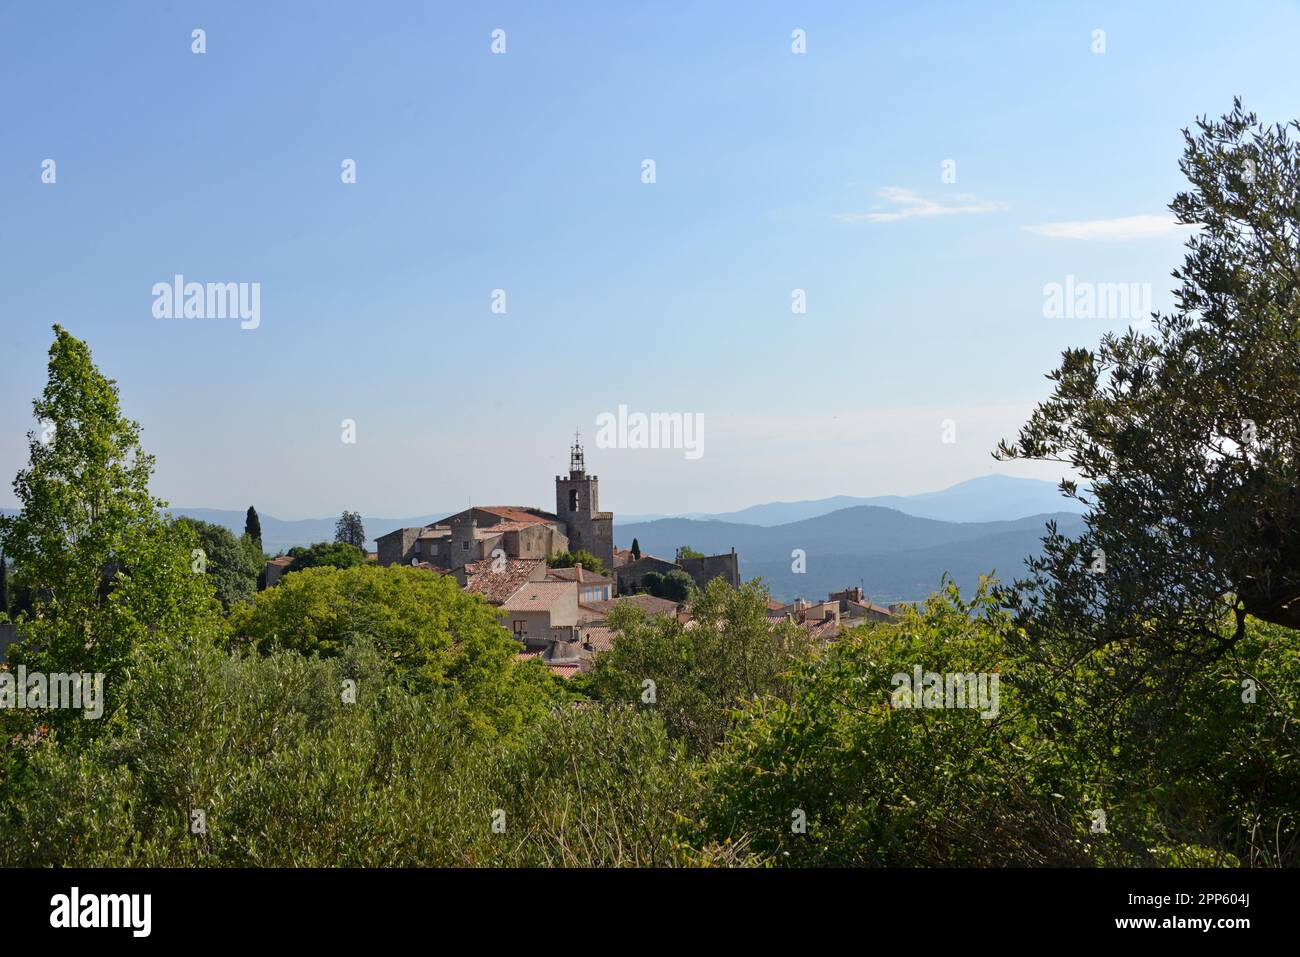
(577, 504)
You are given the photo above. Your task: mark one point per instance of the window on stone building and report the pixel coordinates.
(520, 627)
(573, 500)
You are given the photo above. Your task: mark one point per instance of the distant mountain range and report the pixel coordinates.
(896, 546)
(893, 556)
(280, 535)
(990, 498)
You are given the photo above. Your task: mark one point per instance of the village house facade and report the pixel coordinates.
(557, 614)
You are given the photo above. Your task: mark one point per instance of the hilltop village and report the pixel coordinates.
(561, 614)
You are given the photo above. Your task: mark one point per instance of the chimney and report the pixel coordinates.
(578, 571)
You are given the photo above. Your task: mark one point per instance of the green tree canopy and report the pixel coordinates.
(441, 637)
(233, 564)
(728, 654)
(588, 561)
(326, 554)
(350, 531)
(1186, 433)
(105, 571)
(674, 585)
(253, 526)
(5, 603)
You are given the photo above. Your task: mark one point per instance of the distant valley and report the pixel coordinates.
(894, 557)
(896, 546)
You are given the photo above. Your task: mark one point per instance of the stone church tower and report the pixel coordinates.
(577, 504)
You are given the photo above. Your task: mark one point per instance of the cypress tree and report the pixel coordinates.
(253, 526)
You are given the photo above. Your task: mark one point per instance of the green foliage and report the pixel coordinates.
(728, 655)
(350, 531)
(1186, 433)
(326, 555)
(253, 526)
(232, 564)
(441, 638)
(674, 585)
(685, 551)
(288, 773)
(104, 572)
(588, 561)
(4, 586)
(636, 550)
(885, 786)
(594, 786)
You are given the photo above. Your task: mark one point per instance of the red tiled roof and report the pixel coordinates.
(512, 513)
(538, 596)
(828, 628)
(595, 611)
(497, 586)
(869, 606)
(571, 574)
(506, 526)
(598, 636)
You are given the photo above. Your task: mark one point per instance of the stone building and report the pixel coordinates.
(512, 531)
(709, 567)
(577, 502)
(631, 575)
(474, 535)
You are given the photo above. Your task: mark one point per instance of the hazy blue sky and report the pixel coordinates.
(522, 172)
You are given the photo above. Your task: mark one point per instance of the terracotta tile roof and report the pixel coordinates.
(538, 596)
(433, 533)
(869, 606)
(514, 513)
(566, 670)
(829, 628)
(497, 586)
(599, 637)
(571, 574)
(284, 561)
(508, 526)
(774, 605)
(599, 610)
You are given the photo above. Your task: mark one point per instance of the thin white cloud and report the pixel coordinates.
(1111, 230)
(912, 205)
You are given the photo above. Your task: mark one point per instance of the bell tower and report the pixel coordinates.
(577, 504)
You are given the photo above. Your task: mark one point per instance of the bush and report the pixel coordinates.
(593, 786)
(285, 771)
